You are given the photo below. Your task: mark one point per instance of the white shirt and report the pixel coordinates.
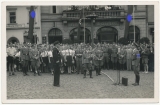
(70, 52)
(11, 51)
(63, 52)
(50, 54)
(18, 54)
(44, 54)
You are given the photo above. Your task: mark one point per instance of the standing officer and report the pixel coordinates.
(98, 59)
(24, 55)
(86, 62)
(78, 54)
(114, 52)
(136, 65)
(56, 64)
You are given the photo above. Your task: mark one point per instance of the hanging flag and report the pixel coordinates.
(31, 24)
(129, 13)
(79, 26)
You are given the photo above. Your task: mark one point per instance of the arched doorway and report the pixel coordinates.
(13, 40)
(107, 34)
(131, 34)
(73, 35)
(55, 34)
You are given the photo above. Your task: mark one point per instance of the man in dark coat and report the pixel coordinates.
(56, 64)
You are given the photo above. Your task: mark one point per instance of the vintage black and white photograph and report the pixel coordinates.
(80, 51)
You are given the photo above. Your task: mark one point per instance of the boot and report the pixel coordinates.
(39, 73)
(90, 72)
(138, 79)
(84, 74)
(23, 69)
(96, 71)
(99, 73)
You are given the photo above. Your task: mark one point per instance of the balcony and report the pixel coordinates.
(102, 15)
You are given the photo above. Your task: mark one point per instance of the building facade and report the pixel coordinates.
(58, 23)
(17, 23)
(61, 22)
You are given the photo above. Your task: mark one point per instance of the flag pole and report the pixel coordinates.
(84, 24)
(133, 23)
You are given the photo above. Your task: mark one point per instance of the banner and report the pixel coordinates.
(31, 26)
(126, 30)
(79, 25)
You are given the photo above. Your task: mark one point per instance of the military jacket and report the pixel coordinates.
(24, 53)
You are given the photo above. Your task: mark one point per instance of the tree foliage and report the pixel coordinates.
(144, 40)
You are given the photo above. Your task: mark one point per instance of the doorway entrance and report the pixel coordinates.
(13, 40)
(107, 34)
(55, 34)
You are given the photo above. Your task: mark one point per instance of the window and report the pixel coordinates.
(54, 9)
(12, 17)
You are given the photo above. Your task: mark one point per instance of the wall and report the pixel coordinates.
(22, 17)
(14, 33)
(141, 24)
(150, 13)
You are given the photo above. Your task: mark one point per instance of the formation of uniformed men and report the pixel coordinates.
(81, 58)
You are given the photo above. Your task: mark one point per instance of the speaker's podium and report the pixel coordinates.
(125, 81)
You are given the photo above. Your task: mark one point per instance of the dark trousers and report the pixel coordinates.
(90, 73)
(25, 66)
(98, 70)
(136, 72)
(11, 62)
(106, 62)
(79, 65)
(56, 75)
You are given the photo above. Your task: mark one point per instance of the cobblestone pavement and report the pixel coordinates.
(73, 86)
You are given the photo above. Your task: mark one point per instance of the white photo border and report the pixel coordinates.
(40, 3)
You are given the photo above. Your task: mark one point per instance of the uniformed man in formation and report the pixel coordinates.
(35, 59)
(24, 55)
(87, 62)
(77, 58)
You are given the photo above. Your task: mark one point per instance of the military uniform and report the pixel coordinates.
(144, 55)
(78, 54)
(98, 60)
(129, 57)
(35, 60)
(86, 61)
(136, 65)
(114, 52)
(24, 55)
(106, 56)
